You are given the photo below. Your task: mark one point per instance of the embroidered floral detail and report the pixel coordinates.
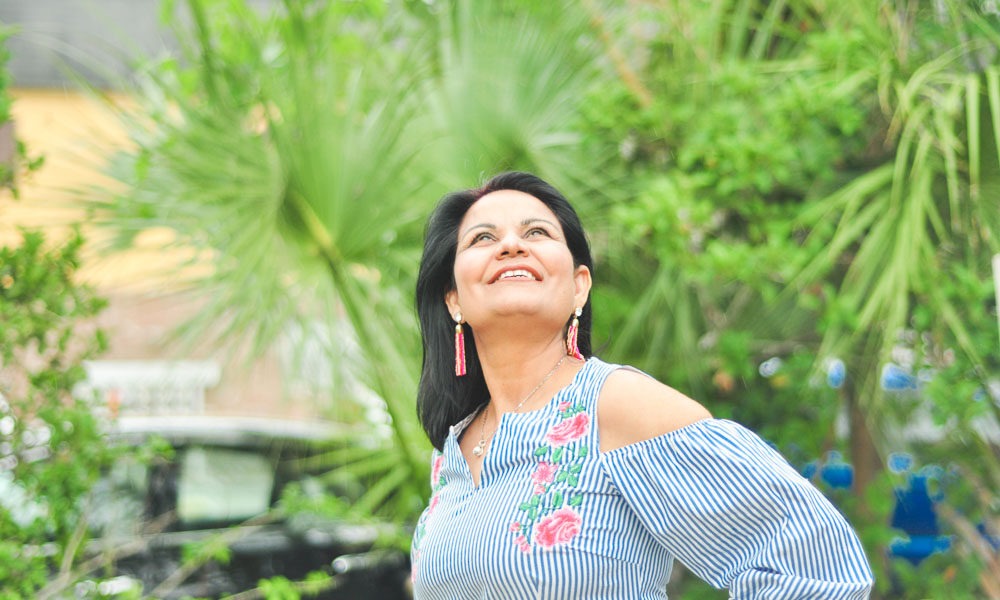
(557, 528)
(569, 430)
(549, 518)
(543, 476)
(438, 482)
(436, 471)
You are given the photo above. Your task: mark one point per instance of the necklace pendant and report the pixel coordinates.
(477, 450)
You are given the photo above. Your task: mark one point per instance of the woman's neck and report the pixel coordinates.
(519, 374)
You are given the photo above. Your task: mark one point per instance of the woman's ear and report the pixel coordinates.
(583, 282)
(451, 301)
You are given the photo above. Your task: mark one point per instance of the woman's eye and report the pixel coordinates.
(535, 231)
(480, 237)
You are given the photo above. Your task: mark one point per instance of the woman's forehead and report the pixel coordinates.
(505, 206)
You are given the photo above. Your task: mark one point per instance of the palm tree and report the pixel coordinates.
(905, 247)
(890, 114)
(300, 152)
(278, 151)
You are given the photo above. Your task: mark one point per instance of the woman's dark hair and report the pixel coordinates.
(442, 398)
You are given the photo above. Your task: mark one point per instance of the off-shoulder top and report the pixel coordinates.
(554, 517)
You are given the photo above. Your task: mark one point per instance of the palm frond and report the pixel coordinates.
(507, 93)
(263, 161)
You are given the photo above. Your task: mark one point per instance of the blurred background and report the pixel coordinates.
(211, 217)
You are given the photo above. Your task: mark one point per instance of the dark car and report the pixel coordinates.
(213, 492)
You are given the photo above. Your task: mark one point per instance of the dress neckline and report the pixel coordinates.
(460, 427)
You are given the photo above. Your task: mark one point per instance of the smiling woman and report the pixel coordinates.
(557, 475)
(512, 261)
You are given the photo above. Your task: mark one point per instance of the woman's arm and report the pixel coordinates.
(726, 504)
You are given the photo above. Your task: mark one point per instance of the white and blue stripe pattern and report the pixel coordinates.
(555, 518)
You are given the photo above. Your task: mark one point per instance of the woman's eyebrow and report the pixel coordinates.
(471, 227)
(524, 223)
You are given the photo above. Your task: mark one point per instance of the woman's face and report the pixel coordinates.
(512, 259)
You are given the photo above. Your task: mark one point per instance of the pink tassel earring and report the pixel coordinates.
(459, 346)
(571, 334)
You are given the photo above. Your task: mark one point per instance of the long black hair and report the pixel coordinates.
(442, 398)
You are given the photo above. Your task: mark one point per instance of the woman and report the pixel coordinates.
(556, 475)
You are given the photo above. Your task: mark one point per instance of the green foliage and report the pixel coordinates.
(19, 160)
(805, 181)
(210, 550)
(300, 164)
(939, 576)
(279, 588)
(794, 180)
(5, 80)
(52, 445)
(256, 151)
(508, 81)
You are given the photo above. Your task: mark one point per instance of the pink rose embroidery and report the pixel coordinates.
(569, 430)
(515, 527)
(434, 503)
(436, 470)
(543, 476)
(413, 567)
(522, 544)
(564, 406)
(557, 528)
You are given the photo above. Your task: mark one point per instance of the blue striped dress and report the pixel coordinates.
(553, 517)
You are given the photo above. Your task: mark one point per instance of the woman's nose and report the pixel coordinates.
(511, 245)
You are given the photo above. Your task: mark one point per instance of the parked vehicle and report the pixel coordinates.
(213, 490)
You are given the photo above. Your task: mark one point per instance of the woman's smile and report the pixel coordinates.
(515, 274)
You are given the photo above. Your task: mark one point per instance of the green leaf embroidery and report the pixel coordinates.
(576, 500)
(582, 451)
(557, 454)
(560, 476)
(542, 451)
(557, 500)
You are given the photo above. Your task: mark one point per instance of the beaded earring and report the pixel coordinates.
(571, 335)
(459, 346)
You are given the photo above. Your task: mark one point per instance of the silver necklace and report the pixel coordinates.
(480, 446)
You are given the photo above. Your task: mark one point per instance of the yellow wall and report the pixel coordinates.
(70, 131)
(74, 133)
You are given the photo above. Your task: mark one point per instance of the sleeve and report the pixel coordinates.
(733, 511)
(437, 482)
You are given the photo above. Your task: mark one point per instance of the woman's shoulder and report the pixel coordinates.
(634, 407)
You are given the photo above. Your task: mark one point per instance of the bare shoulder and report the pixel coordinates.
(634, 407)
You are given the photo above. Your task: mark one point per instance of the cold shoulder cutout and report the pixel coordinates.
(634, 407)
